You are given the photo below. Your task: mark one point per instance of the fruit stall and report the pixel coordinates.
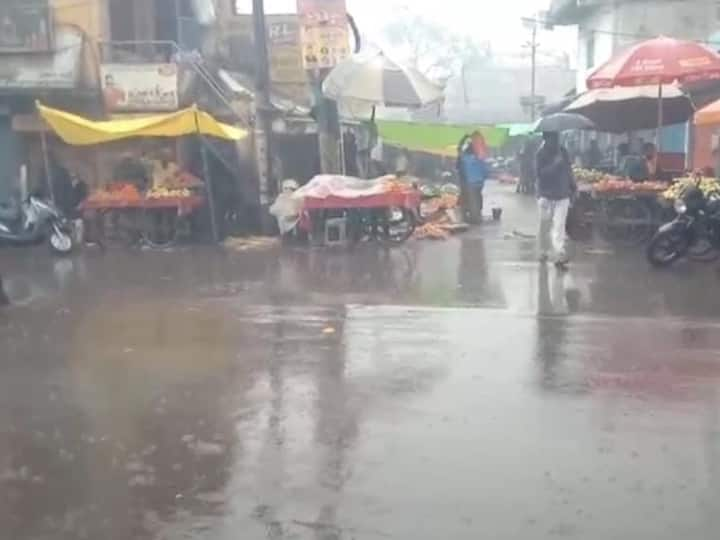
(126, 210)
(123, 213)
(708, 186)
(621, 210)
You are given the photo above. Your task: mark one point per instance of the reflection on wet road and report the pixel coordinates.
(451, 390)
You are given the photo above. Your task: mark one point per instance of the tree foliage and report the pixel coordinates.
(430, 47)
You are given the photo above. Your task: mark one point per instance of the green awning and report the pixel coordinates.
(439, 139)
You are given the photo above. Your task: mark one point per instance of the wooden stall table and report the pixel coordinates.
(388, 217)
(630, 214)
(157, 222)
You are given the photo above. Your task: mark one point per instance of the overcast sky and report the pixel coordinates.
(497, 21)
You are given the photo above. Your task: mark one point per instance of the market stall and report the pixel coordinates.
(341, 210)
(158, 218)
(620, 210)
(641, 87)
(155, 211)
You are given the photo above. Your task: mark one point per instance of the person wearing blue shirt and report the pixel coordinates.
(473, 171)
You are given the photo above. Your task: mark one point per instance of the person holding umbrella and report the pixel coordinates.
(555, 188)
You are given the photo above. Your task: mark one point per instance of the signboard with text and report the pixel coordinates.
(323, 32)
(286, 64)
(140, 87)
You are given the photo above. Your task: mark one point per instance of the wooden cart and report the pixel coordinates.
(386, 217)
(156, 222)
(621, 217)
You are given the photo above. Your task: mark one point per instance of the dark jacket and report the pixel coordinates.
(555, 179)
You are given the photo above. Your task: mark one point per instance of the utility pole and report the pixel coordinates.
(533, 45)
(330, 142)
(533, 71)
(329, 130)
(263, 116)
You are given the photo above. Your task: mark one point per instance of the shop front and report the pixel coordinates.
(149, 197)
(34, 72)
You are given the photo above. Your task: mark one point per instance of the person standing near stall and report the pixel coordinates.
(555, 188)
(473, 171)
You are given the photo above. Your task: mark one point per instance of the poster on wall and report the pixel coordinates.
(286, 64)
(323, 33)
(140, 87)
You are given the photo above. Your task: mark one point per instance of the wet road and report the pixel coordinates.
(446, 390)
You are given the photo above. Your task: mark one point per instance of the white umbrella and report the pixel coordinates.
(377, 80)
(623, 109)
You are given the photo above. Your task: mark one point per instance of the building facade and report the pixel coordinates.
(93, 57)
(605, 27)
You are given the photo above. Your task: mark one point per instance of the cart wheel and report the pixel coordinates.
(398, 225)
(160, 227)
(627, 222)
(118, 228)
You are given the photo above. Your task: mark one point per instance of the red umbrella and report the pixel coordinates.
(658, 61)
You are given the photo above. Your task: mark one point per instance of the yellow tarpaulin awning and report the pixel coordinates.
(79, 131)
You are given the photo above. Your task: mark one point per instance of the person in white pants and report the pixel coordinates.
(555, 188)
(552, 236)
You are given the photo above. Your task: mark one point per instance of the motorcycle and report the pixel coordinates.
(694, 233)
(33, 221)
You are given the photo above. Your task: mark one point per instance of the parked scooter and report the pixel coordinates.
(33, 221)
(694, 233)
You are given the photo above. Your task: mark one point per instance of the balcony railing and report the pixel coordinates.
(138, 52)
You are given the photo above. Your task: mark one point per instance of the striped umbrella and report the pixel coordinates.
(377, 80)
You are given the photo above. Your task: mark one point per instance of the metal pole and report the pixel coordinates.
(661, 119)
(329, 132)
(46, 161)
(208, 181)
(263, 109)
(463, 78)
(533, 72)
(343, 162)
(178, 26)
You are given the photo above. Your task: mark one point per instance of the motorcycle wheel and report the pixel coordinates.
(398, 227)
(703, 250)
(60, 242)
(666, 248)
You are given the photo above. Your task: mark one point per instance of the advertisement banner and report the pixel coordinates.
(140, 87)
(286, 64)
(323, 32)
